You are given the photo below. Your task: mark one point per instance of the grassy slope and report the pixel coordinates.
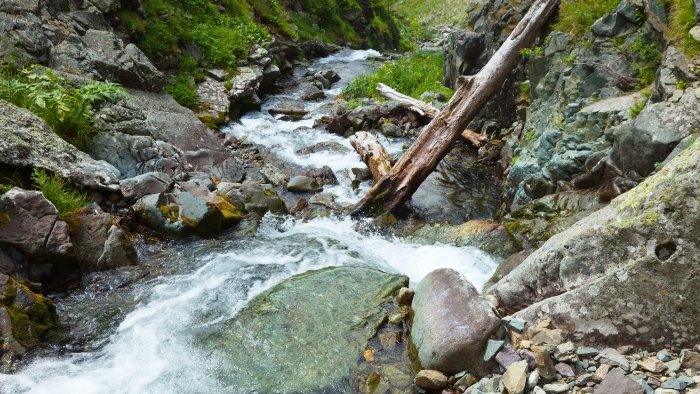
(433, 13)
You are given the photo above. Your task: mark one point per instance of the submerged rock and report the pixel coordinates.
(305, 334)
(451, 323)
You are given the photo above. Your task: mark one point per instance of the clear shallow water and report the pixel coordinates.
(144, 336)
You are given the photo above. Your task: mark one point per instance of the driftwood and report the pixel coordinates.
(287, 111)
(436, 140)
(371, 152)
(420, 107)
(426, 109)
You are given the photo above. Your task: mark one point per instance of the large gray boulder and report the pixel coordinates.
(135, 155)
(27, 141)
(22, 39)
(625, 274)
(157, 115)
(652, 135)
(26, 220)
(306, 334)
(102, 55)
(451, 323)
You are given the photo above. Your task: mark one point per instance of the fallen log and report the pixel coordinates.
(426, 109)
(288, 111)
(420, 107)
(372, 153)
(436, 140)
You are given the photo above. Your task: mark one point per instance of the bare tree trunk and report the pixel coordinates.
(371, 152)
(394, 189)
(474, 138)
(420, 107)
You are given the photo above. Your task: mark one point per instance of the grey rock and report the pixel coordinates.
(462, 52)
(617, 383)
(690, 359)
(565, 370)
(26, 220)
(135, 155)
(586, 351)
(58, 243)
(652, 135)
(675, 384)
(612, 357)
(492, 348)
(533, 379)
(584, 379)
(556, 388)
(553, 282)
(565, 351)
(22, 39)
(491, 385)
(263, 198)
(515, 324)
(664, 355)
(451, 323)
(303, 184)
(217, 163)
(312, 93)
(515, 377)
(214, 105)
(27, 141)
(244, 91)
(145, 184)
(507, 356)
(695, 33)
(100, 240)
(265, 351)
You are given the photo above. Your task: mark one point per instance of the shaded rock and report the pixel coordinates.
(145, 184)
(617, 383)
(505, 267)
(545, 366)
(22, 39)
(100, 240)
(405, 296)
(488, 236)
(565, 370)
(690, 359)
(27, 141)
(303, 184)
(492, 348)
(312, 93)
(268, 342)
(430, 379)
(263, 198)
(612, 357)
(217, 163)
(580, 277)
(244, 90)
(316, 48)
(451, 323)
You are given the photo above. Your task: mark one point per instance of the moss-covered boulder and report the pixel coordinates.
(181, 214)
(26, 319)
(488, 236)
(627, 274)
(306, 334)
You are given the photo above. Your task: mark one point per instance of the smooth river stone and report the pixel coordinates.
(304, 335)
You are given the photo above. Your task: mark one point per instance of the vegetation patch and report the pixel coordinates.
(577, 16)
(411, 75)
(66, 109)
(65, 198)
(648, 56)
(681, 20)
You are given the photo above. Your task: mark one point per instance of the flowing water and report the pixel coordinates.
(142, 337)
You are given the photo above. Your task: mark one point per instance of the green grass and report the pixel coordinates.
(411, 75)
(639, 103)
(681, 19)
(576, 16)
(66, 109)
(433, 13)
(65, 198)
(648, 56)
(183, 90)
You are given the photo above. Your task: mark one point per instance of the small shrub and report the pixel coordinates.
(535, 51)
(183, 90)
(576, 16)
(59, 192)
(648, 60)
(67, 110)
(411, 75)
(639, 103)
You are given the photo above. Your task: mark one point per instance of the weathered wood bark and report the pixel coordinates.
(371, 152)
(394, 189)
(420, 107)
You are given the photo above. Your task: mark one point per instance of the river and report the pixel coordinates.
(141, 337)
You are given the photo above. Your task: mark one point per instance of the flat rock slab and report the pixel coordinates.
(304, 335)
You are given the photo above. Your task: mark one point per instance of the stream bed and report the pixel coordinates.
(143, 335)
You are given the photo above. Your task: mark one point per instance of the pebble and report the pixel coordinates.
(533, 379)
(565, 370)
(430, 379)
(612, 357)
(676, 384)
(565, 352)
(653, 365)
(492, 348)
(601, 372)
(665, 391)
(544, 364)
(515, 377)
(673, 365)
(664, 355)
(586, 351)
(514, 323)
(507, 356)
(556, 388)
(584, 379)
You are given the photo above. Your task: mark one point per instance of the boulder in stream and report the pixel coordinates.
(306, 334)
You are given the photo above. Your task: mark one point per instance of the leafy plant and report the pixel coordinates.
(183, 90)
(681, 20)
(535, 51)
(65, 198)
(411, 75)
(67, 110)
(648, 60)
(576, 16)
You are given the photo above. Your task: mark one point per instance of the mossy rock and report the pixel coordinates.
(32, 315)
(306, 334)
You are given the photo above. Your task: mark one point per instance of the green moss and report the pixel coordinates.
(576, 16)
(681, 20)
(29, 324)
(529, 136)
(651, 217)
(170, 212)
(4, 218)
(411, 75)
(62, 195)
